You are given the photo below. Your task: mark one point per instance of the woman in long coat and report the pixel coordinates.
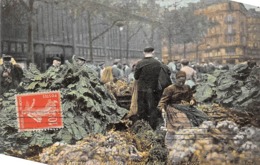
(175, 105)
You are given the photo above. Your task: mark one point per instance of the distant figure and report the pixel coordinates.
(116, 71)
(101, 67)
(191, 74)
(127, 70)
(224, 67)
(147, 74)
(54, 68)
(202, 68)
(173, 69)
(12, 60)
(56, 62)
(131, 77)
(89, 64)
(211, 68)
(11, 74)
(80, 60)
(251, 63)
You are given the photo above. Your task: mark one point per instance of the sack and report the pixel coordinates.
(134, 105)
(164, 79)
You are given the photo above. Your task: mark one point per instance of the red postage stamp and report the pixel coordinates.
(39, 111)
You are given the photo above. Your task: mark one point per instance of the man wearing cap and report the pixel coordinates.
(54, 68)
(147, 73)
(81, 60)
(56, 62)
(10, 74)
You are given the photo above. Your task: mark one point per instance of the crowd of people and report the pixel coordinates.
(157, 92)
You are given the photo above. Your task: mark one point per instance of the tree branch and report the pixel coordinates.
(25, 5)
(130, 37)
(106, 30)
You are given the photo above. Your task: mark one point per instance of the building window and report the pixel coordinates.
(217, 40)
(19, 47)
(13, 47)
(230, 39)
(243, 40)
(229, 29)
(230, 51)
(5, 46)
(254, 52)
(229, 18)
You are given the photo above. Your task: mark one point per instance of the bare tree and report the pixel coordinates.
(29, 7)
(186, 27)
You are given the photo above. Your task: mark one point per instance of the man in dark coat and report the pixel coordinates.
(10, 75)
(147, 73)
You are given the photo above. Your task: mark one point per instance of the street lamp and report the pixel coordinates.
(120, 41)
(120, 25)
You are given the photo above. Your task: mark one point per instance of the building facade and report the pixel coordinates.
(234, 38)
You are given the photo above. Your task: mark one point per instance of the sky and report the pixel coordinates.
(166, 3)
(253, 3)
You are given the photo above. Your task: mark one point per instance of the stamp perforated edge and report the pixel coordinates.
(35, 93)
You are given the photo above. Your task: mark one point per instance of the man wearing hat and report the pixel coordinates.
(147, 73)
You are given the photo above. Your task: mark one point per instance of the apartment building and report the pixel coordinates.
(234, 38)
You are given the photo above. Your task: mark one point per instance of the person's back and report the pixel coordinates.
(172, 66)
(127, 70)
(191, 74)
(131, 75)
(147, 72)
(116, 71)
(164, 79)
